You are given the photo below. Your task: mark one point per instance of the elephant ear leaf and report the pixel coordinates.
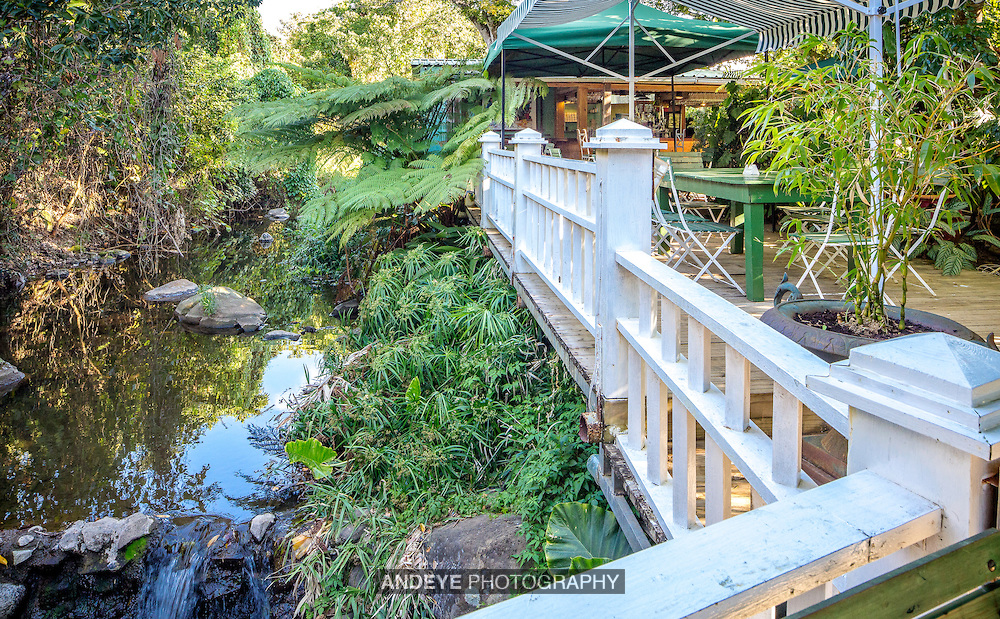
(317, 457)
(580, 537)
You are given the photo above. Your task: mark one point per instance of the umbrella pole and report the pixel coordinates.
(673, 111)
(503, 97)
(875, 56)
(631, 60)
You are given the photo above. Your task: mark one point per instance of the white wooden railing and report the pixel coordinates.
(676, 378)
(499, 207)
(584, 229)
(560, 229)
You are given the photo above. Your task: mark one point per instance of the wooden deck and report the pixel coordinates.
(972, 298)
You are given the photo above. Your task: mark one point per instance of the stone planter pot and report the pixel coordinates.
(831, 346)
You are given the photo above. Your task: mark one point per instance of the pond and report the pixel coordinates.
(125, 411)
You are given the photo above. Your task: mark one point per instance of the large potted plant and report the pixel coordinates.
(871, 141)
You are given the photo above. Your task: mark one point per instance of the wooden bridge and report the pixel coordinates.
(704, 413)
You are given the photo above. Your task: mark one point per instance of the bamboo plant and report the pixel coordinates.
(871, 141)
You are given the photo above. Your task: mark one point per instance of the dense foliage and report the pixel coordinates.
(818, 124)
(455, 408)
(371, 41)
(393, 129)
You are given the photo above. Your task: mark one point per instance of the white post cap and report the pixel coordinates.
(528, 136)
(623, 133)
(490, 137)
(931, 383)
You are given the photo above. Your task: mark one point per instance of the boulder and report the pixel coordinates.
(346, 309)
(176, 290)
(10, 598)
(229, 312)
(24, 540)
(10, 378)
(132, 528)
(72, 538)
(281, 335)
(278, 214)
(260, 524)
(483, 542)
(21, 555)
(97, 535)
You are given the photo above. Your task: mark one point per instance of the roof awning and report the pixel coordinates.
(589, 38)
(780, 22)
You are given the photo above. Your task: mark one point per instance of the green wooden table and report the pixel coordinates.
(748, 195)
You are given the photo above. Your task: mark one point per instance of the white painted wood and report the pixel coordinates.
(754, 561)
(670, 330)
(635, 403)
(588, 167)
(657, 437)
(659, 498)
(718, 483)
(786, 432)
(489, 140)
(589, 321)
(526, 142)
(750, 451)
(624, 171)
(699, 355)
(567, 212)
(810, 598)
(781, 359)
(645, 310)
(737, 390)
(685, 472)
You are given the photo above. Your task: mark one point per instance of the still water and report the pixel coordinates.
(125, 411)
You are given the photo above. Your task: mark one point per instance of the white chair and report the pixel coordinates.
(688, 235)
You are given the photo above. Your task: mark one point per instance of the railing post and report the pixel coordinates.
(526, 142)
(925, 414)
(624, 152)
(487, 205)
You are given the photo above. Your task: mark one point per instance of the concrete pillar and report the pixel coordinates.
(925, 414)
(624, 153)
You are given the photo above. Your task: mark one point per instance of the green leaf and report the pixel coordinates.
(578, 534)
(318, 457)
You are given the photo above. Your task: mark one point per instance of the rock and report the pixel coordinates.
(99, 534)
(346, 309)
(10, 378)
(24, 540)
(481, 542)
(20, 556)
(281, 335)
(108, 260)
(278, 214)
(132, 528)
(57, 274)
(308, 329)
(121, 255)
(176, 290)
(232, 312)
(11, 282)
(72, 538)
(265, 239)
(10, 597)
(260, 524)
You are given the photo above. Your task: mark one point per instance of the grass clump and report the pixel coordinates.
(456, 409)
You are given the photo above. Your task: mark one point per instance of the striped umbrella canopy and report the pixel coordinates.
(781, 22)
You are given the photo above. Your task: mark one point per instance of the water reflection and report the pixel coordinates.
(124, 410)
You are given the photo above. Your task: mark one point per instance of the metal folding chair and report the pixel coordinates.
(689, 235)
